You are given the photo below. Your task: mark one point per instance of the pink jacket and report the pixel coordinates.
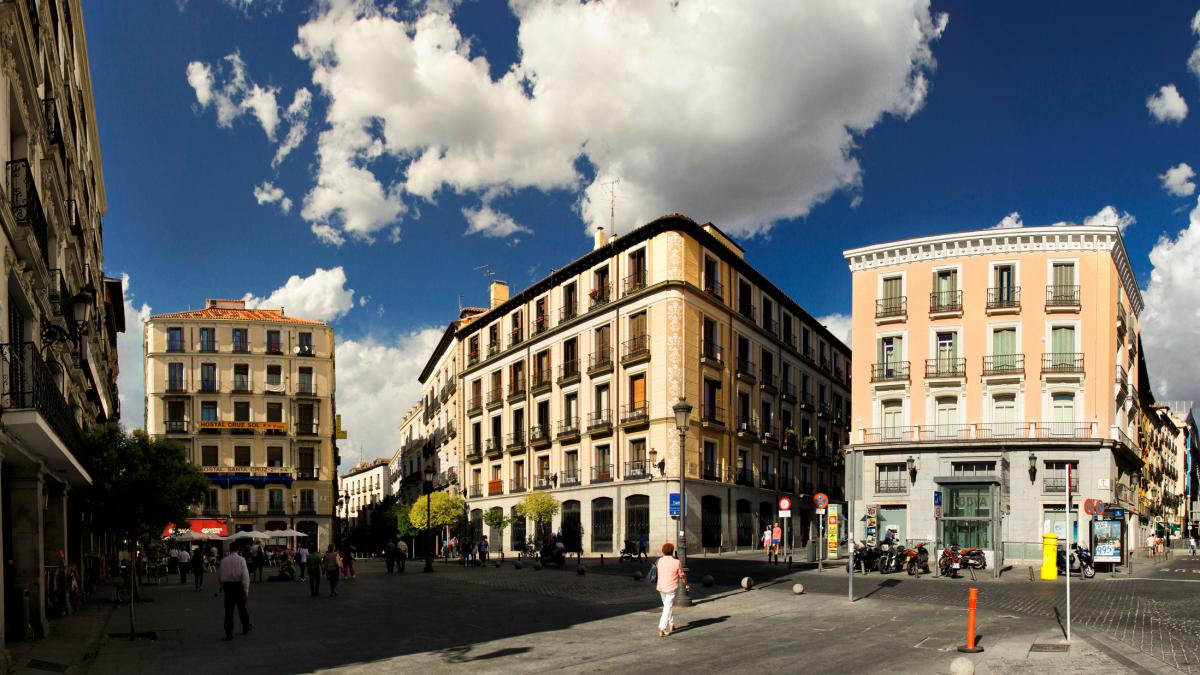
(669, 571)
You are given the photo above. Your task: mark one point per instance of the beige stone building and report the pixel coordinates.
(250, 392)
(362, 487)
(568, 387)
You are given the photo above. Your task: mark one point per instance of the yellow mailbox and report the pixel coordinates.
(1050, 556)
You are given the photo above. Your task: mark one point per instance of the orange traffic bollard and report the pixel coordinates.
(971, 647)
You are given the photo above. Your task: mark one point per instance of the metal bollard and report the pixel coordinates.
(602, 560)
(971, 647)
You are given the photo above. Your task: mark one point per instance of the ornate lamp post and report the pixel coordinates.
(683, 410)
(428, 490)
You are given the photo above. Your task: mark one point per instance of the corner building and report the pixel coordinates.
(569, 386)
(250, 392)
(990, 362)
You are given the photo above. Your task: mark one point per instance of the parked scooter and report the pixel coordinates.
(950, 562)
(1081, 561)
(974, 557)
(916, 560)
(863, 558)
(891, 556)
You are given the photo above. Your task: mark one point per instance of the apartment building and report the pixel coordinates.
(990, 362)
(569, 386)
(59, 342)
(1164, 441)
(250, 393)
(364, 486)
(404, 466)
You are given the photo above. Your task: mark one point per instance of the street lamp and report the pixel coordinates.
(428, 489)
(683, 410)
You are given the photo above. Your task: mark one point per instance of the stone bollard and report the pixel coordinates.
(708, 581)
(602, 560)
(798, 589)
(961, 665)
(581, 570)
(537, 566)
(637, 575)
(747, 583)
(517, 565)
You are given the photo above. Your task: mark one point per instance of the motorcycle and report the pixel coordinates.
(863, 558)
(552, 555)
(891, 557)
(1081, 561)
(950, 562)
(974, 557)
(916, 560)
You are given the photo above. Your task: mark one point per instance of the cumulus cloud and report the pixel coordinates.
(296, 116)
(838, 324)
(1172, 310)
(1167, 105)
(742, 122)
(322, 296)
(1011, 220)
(1194, 60)
(200, 77)
(268, 193)
(491, 223)
(1178, 180)
(228, 87)
(131, 381)
(377, 382)
(1109, 216)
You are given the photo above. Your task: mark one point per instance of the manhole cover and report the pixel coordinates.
(1050, 648)
(47, 665)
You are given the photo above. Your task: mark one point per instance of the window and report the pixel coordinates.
(745, 299)
(570, 366)
(603, 345)
(786, 321)
(1004, 416)
(241, 377)
(637, 394)
(711, 405)
(274, 456)
(637, 453)
(208, 377)
(175, 377)
(274, 344)
(745, 423)
(209, 456)
(946, 417)
(768, 314)
(602, 402)
(275, 501)
(892, 415)
(1004, 349)
(1055, 477)
(972, 469)
(947, 353)
(541, 368)
(602, 466)
(212, 501)
(712, 276)
(208, 411)
(890, 478)
(175, 339)
(241, 411)
(710, 461)
(241, 340)
(274, 376)
(241, 455)
(208, 340)
(1062, 415)
(601, 290)
(570, 301)
(1004, 292)
(306, 343)
(637, 268)
(892, 302)
(274, 412)
(1062, 346)
(571, 411)
(945, 291)
(243, 500)
(308, 500)
(473, 349)
(304, 381)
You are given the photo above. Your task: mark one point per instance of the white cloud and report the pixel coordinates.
(1167, 105)
(1172, 313)
(491, 223)
(131, 382)
(237, 95)
(268, 193)
(377, 382)
(322, 296)
(1194, 60)
(838, 324)
(1011, 220)
(1110, 217)
(199, 75)
(1178, 180)
(740, 113)
(297, 119)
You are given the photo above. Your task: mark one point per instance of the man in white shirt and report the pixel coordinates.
(184, 562)
(234, 578)
(302, 558)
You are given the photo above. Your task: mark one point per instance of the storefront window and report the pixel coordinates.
(968, 516)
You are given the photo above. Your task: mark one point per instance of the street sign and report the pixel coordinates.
(937, 512)
(1158, 520)
(785, 514)
(1088, 507)
(937, 497)
(1116, 514)
(785, 504)
(820, 512)
(820, 500)
(1098, 507)
(673, 505)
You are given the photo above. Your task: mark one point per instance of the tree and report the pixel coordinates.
(495, 519)
(399, 515)
(446, 510)
(540, 507)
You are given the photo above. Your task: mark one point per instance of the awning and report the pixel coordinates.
(217, 526)
(227, 480)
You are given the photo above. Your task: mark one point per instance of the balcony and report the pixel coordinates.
(541, 324)
(635, 350)
(748, 310)
(516, 389)
(1062, 298)
(495, 398)
(35, 410)
(766, 381)
(599, 296)
(493, 348)
(174, 345)
(892, 309)
(208, 344)
(245, 508)
(788, 392)
(475, 491)
(745, 369)
(541, 382)
(472, 358)
(208, 385)
(539, 435)
(805, 402)
(57, 293)
(710, 353)
(945, 368)
(1062, 362)
(1004, 364)
(568, 372)
(635, 414)
(747, 426)
(515, 442)
(637, 469)
(744, 476)
(495, 487)
(176, 385)
(567, 478)
(568, 428)
(635, 282)
(600, 422)
(1057, 483)
(600, 361)
(176, 426)
(474, 406)
(545, 482)
(515, 337)
(241, 346)
(715, 289)
(1004, 298)
(274, 347)
(710, 471)
(241, 385)
(473, 453)
(27, 211)
(945, 302)
(712, 414)
(766, 481)
(517, 485)
(306, 428)
(891, 486)
(602, 473)
(1006, 431)
(567, 312)
(492, 448)
(892, 371)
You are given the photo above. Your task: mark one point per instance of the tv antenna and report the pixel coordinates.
(612, 203)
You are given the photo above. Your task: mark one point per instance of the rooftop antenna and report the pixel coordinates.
(612, 203)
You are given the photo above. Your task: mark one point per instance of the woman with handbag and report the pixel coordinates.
(667, 573)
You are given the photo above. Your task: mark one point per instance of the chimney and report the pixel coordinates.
(212, 303)
(600, 242)
(499, 293)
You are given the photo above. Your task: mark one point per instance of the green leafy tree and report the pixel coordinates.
(445, 510)
(399, 515)
(540, 507)
(496, 520)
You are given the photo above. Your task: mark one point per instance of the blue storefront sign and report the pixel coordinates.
(673, 505)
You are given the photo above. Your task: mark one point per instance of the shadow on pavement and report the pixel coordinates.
(701, 623)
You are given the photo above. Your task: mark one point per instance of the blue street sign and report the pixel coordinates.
(1115, 514)
(673, 505)
(937, 497)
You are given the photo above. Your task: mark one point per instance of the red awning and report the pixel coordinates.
(217, 526)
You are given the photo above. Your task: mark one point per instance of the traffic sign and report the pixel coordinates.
(937, 497)
(937, 512)
(820, 500)
(785, 503)
(1088, 506)
(785, 514)
(1098, 507)
(673, 505)
(820, 512)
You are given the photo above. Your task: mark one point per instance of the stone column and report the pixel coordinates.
(27, 492)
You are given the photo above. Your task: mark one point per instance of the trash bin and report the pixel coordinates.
(1049, 556)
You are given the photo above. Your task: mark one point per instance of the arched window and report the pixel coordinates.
(602, 525)
(710, 521)
(572, 526)
(637, 517)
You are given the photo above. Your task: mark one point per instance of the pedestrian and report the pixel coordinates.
(313, 563)
(1167, 543)
(776, 537)
(183, 560)
(766, 541)
(403, 552)
(464, 552)
(234, 577)
(198, 565)
(483, 550)
(389, 556)
(302, 558)
(644, 545)
(331, 565)
(451, 547)
(173, 563)
(1151, 540)
(1192, 544)
(260, 561)
(669, 573)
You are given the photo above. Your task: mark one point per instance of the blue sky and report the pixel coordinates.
(804, 131)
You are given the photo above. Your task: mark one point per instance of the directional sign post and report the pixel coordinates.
(821, 501)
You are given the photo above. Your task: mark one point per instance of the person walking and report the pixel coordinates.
(766, 541)
(483, 551)
(1151, 540)
(198, 565)
(313, 563)
(389, 556)
(669, 572)
(348, 560)
(332, 566)
(644, 545)
(402, 551)
(183, 560)
(776, 537)
(1192, 545)
(260, 561)
(234, 577)
(302, 559)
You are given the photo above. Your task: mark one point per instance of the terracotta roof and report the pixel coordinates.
(221, 313)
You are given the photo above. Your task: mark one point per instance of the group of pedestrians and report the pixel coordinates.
(395, 553)
(772, 536)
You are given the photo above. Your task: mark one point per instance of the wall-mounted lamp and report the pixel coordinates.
(1032, 467)
(912, 469)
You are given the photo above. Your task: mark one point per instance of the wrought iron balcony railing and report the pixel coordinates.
(31, 385)
(945, 301)
(1004, 297)
(886, 308)
(1062, 296)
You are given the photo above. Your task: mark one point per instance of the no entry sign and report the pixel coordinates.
(785, 503)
